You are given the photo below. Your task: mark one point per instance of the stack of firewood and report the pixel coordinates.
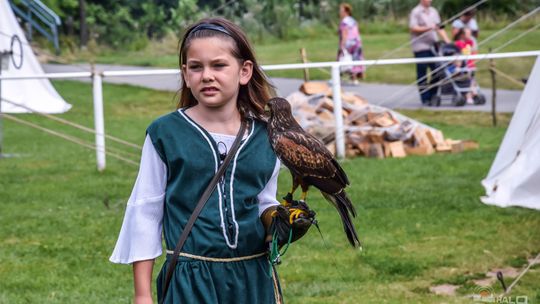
(370, 130)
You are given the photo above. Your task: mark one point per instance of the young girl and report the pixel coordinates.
(466, 44)
(463, 40)
(223, 259)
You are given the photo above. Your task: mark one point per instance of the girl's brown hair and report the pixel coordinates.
(458, 34)
(253, 96)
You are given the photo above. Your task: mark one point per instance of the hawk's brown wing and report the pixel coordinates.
(308, 158)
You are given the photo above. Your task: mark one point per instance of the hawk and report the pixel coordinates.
(310, 163)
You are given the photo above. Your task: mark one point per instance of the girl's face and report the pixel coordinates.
(213, 74)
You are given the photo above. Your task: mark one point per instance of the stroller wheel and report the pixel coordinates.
(479, 99)
(458, 100)
(435, 101)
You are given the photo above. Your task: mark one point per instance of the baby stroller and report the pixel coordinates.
(455, 79)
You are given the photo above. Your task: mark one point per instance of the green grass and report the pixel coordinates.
(420, 219)
(323, 48)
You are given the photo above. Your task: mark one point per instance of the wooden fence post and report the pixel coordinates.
(304, 60)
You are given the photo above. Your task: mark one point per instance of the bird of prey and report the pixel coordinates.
(310, 163)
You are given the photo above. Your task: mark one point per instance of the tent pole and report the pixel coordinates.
(493, 91)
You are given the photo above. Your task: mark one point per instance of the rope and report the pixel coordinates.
(414, 83)
(519, 36)
(411, 41)
(69, 138)
(75, 125)
(536, 259)
(320, 69)
(507, 77)
(385, 55)
(506, 28)
(493, 51)
(56, 58)
(218, 260)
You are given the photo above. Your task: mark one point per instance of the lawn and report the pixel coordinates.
(420, 219)
(323, 48)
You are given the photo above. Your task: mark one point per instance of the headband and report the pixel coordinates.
(209, 26)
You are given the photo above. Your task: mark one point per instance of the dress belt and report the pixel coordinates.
(219, 260)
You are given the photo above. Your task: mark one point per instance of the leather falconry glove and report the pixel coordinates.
(281, 219)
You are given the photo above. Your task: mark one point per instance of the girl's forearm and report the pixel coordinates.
(142, 279)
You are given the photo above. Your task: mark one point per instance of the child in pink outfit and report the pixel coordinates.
(464, 41)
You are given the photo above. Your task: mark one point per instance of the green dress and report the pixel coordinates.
(228, 226)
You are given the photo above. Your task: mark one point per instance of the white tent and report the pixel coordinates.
(514, 177)
(37, 94)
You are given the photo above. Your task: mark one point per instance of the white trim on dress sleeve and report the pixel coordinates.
(267, 197)
(140, 235)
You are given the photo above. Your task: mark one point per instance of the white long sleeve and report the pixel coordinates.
(267, 197)
(140, 235)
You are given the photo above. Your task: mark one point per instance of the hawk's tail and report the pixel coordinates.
(345, 209)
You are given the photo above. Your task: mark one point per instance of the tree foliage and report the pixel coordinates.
(130, 23)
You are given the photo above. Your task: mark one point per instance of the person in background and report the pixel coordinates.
(463, 40)
(350, 41)
(424, 25)
(466, 21)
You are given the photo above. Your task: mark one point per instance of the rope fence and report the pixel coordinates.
(75, 125)
(69, 138)
(97, 78)
(450, 62)
(444, 65)
(336, 86)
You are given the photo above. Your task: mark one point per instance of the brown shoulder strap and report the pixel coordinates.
(200, 205)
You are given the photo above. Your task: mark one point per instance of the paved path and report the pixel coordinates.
(388, 95)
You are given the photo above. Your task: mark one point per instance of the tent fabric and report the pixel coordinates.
(514, 177)
(36, 94)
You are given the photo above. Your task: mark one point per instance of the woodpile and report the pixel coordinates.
(370, 130)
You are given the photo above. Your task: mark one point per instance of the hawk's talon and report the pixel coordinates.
(295, 214)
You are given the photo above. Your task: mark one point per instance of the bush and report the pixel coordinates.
(126, 24)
